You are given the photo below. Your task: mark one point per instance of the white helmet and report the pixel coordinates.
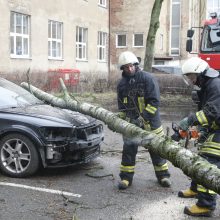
(212, 73)
(194, 65)
(126, 58)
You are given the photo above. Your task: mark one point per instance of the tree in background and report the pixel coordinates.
(150, 42)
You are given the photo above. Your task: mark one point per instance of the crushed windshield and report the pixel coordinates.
(210, 39)
(13, 95)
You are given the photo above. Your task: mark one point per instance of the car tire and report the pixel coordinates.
(18, 156)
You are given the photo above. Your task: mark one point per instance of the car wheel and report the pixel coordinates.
(18, 156)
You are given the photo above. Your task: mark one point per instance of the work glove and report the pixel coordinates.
(122, 115)
(140, 122)
(147, 126)
(184, 124)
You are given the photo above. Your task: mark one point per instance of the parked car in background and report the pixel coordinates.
(33, 133)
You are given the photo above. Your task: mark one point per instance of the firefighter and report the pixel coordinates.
(197, 72)
(138, 103)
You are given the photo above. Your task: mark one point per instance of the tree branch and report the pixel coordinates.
(190, 163)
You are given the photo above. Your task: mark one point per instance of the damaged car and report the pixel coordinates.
(34, 134)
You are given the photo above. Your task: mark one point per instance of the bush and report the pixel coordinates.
(172, 84)
(38, 79)
(97, 82)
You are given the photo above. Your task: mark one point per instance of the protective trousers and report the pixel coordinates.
(206, 197)
(210, 151)
(130, 148)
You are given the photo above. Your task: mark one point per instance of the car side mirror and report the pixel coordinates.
(189, 45)
(190, 33)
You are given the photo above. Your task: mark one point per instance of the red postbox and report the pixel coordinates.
(70, 78)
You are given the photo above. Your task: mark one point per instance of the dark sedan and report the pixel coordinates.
(33, 133)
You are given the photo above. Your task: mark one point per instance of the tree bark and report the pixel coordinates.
(190, 163)
(150, 42)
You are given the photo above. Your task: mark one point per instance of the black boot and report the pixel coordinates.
(123, 184)
(164, 182)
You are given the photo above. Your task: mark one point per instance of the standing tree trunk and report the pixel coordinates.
(190, 163)
(154, 25)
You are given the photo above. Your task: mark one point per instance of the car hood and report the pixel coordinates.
(52, 114)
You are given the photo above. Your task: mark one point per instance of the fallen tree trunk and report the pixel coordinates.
(190, 163)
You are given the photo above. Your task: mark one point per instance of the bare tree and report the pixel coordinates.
(150, 42)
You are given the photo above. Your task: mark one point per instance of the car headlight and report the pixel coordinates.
(55, 133)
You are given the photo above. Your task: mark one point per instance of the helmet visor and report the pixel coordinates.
(190, 78)
(187, 80)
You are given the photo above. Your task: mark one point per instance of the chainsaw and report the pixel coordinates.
(183, 137)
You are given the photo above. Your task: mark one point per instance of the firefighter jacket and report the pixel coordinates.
(209, 115)
(139, 95)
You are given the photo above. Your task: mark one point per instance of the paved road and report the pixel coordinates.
(97, 185)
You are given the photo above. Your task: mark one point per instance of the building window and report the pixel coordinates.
(121, 40)
(81, 43)
(20, 35)
(102, 3)
(101, 46)
(55, 39)
(175, 28)
(213, 6)
(159, 62)
(161, 41)
(138, 40)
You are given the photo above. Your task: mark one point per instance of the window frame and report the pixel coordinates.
(213, 8)
(161, 41)
(138, 33)
(117, 46)
(82, 45)
(172, 27)
(56, 40)
(102, 3)
(14, 35)
(102, 45)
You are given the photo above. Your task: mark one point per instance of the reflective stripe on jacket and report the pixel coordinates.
(139, 95)
(209, 115)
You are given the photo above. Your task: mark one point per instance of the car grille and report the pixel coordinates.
(85, 133)
(91, 153)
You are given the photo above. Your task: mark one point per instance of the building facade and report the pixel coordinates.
(130, 22)
(52, 34)
(89, 35)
